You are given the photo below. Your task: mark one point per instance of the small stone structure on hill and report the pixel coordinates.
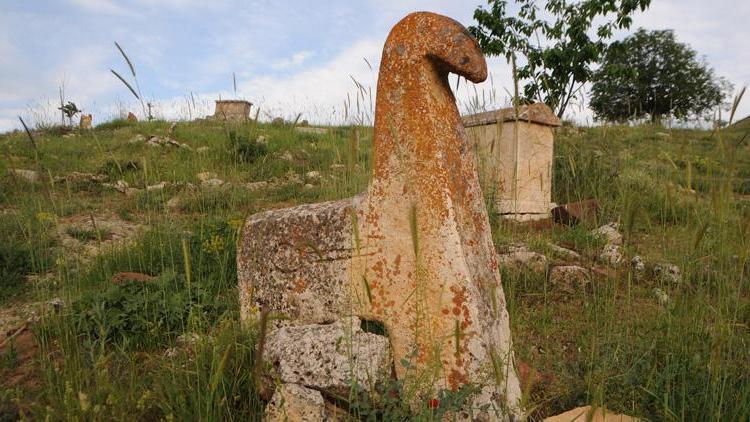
(414, 253)
(515, 158)
(234, 110)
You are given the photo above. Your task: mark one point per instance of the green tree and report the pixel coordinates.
(69, 110)
(651, 74)
(555, 54)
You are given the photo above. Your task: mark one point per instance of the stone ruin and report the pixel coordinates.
(413, 253)
(234, 110)
(515, 158)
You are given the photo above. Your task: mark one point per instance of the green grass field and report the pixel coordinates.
(172, 348)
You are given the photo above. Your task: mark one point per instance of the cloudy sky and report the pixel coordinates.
(288, 56)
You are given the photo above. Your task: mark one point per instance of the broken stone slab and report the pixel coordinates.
(206, 175)
(610, 233)
(156, 187)
(293, 402)
(415, 251)
(212, 183)
(590, 414)
(570, 277)
(564, 252)
(518, 257)
(329, 357)
(31, 176)
(256, 186)
(85, 122)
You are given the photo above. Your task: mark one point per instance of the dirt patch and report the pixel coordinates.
(18, 362)
(90, 235)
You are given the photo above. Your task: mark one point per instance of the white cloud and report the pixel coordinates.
(295, 61)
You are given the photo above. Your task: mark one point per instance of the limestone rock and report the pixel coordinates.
(292, 402)
(610, 255)
(329, 357)
(590, 414)
(85, 122)
(610, 233)
(202, 150)
(564, 252)
(313, 177)
(137, 139)
(414, 252)
(638, 265)
(669, 273)
(256, 186)
(519, 258)
(206, 175)
(158, 186)
(28, 175)
(570, 277)
(212, 182)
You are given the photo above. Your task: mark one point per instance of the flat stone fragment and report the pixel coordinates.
(519, 258)
(292, 402)
(570, 277)
(329, 357)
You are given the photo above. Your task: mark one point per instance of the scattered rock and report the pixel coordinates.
(172, 128)
(313, 177)
(206, 175)
(28, 175)
(610, 255)
(212, 182)
(202, 150)
(661, 296)
(125, 277)
(669, 273)
(590, 414)
(173, 202)
(120, 186)
(77, 177)
(518, 258)
(638, 264)
(158, 186)
(308, 186)
(261, 139)
(570, 277)
(256, 186)
(610, 233)
(329, 357)
(287, 156)
(564, 252)
(293, 402)
(137, 139)
(337, 166)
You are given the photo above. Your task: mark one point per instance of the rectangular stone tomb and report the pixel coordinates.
(515, 158)
(235, 110)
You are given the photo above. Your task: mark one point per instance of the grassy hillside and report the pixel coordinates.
(172, 348)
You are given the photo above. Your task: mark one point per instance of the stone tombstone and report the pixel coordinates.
(85, 122)
(516, 158)
(235, 110)
(414, 252)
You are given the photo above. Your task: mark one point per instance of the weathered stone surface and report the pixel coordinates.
(564, 252)
(590, 414)
(610, 233)
(329, 357)
(295, 403)
(234, 110)
(85, 122)
(519, 258)
(569, 277)
(132, 117)
(415, 251)
(669, 273)
(638, 265)
(28, 175)
(515, 158)
(610, 255)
